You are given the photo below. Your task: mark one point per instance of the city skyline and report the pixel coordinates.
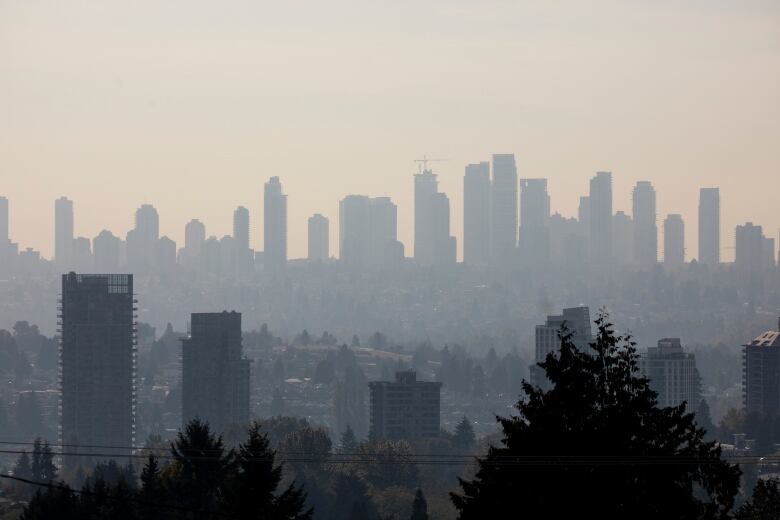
(223, 108)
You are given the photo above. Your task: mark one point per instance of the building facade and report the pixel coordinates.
(761, 374)
(534, 234)
(476, 214)
(645, 225)
(63, 233)
(600, 218)
(215, 375)
(503, 202)
(548, 341)
(274, 225)
(674, 242)
(672, 373)
(98, 361)
(405, 408)
(433, 244)
(319, 238)
(709, 226)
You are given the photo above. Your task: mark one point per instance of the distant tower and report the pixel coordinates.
(275, 225)
(241, 228)
(368, 232)
(476, 214)
(534, 236)
(63, 233)
(97, 359)
(433, 244)
(577, 321)
(319, 241)
(623, 238)
(672, 373)
(4, 236)
(645, 225)
(709, 226)
(106, 252)
(504, 209)
(142, 240)
(754, 251)
(215, 375)
(601, 218)
(674, 242)
(418, 418)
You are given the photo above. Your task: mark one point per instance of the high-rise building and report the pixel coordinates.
(674, 242)
(368, 232)
(761, 374)
(623, 238)
(601, 218)
(63, 233)
(142, 239)
(534, 235)
(106, 252)
(645, 225)
(4, 236)
(672, 373)
(754, 252)
(319, 238)
(504, 209)
(243, 253)
(548, 341)
(476, 214)
(81, 254)
(709, 226)
(194, 237)
(215, 374)
(98, 362)
(405, 408)
(275, 225)
(433, 244)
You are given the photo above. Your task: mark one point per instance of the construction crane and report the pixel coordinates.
(422, 164)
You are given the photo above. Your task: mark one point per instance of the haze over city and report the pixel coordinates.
(192, 106)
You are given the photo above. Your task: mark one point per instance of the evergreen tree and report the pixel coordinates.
(764, 504)
(419, 507)
(597, 446)
(350, 495)
(464, 438)
(23, 469)
(152, 491)
(56, 502)
(348, 442)
(251, 492)
(42, 467)
(201, 465)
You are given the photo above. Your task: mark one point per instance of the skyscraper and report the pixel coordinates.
(645, 225)
(215, 375)
(275, 225)
(709, 226)
(142, 239)
(534, 235)
(674, 242)
(4, 236)
(405, 408)
(476, 214)
(754, 252)
(243, 254)
(577, 321)
(672, 373)
(106, 252)
(368, 232)
(601, 218)
(97, 358)
(194, 237)
(433, 244)
(63, 233)
(623, 238)
(504, 209)
(319, 238)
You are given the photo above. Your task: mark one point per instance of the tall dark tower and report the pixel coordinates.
(215, 375)
(97, 355)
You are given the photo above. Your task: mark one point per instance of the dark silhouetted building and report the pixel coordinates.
(319, 238)
(761, 374)
(98, 361)
(709, 226)
(674, 242)
(577, 321)
(275, 226)
(672, 373)
(215, 375)
(504, 209)
(476, 214)
(405, 408)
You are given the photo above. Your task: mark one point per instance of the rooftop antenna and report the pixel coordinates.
(422, 164)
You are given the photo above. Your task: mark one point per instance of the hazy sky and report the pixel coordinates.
(192, 105)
